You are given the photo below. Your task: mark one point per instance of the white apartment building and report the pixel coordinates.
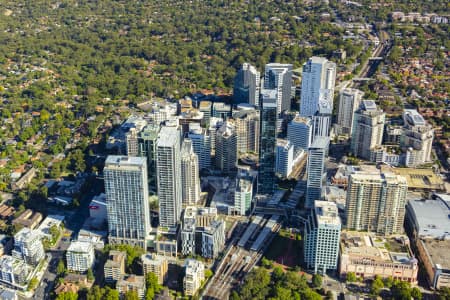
(194, 276)
(284, 158)
(80, 256)
(14, 271)
(349, 101)
(28, 246)
(417, 138)
(190, 180)
(243, 195)
(168, 166)
(201, 141)
(368, 128)
(318, 80)
(126, 187)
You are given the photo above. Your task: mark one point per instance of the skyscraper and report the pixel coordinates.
(247, 85)
(226, 147)
(284, 158)
(322, 235)
(299, 132)
(349, 101)
(368, 128)
(417, 139)
(201, 141)
(243, 195)
(318, 79)
(266, 170)
(247, 120)
(279, 77)
(168, 166)
(376, 202)
(132, 142)
(316, 170)
(189, 174)
(126, 188)
(147, 148)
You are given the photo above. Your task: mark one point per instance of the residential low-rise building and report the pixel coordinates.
(28, 219)
(80, 256)
(14, 271)
(366, 255)
(114, 267)
(28, 246)
(156, 264)
(132, 283)
(194, 276)
(213, 239)
(202, 233)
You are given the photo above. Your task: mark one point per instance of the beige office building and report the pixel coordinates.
(376, 202)
(366, 255)
(155, 264)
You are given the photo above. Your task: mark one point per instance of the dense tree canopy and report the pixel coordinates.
(260, 284)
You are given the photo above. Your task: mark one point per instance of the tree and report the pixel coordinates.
(351, 277)
(256, 285)
(131, 295)
(329, 295)
(234, 296)
(33, 283)
(277, 273)
(416, 293)
(388, 282)
(98, 293)
(61, 268)
(152, 285)
(401, 290)
(208, 273)
(376, 286)
(444, 293)
(266, 263)
(67, 296)
(317, 281)
(90, 275)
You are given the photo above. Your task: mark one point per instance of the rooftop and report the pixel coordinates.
(317, 60)
(115, 258)
(432, 217)
(125, 161)
(205, 105)
(152, 258)
(418, 178)
(438, 251)
(133, 280)
(364, 245)
(269, 98)
(80, 247)
(300, 119)
(369, 105)
(413, 118)
(321, 142)
(326, 213)
(193, 266)
(168, 136)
